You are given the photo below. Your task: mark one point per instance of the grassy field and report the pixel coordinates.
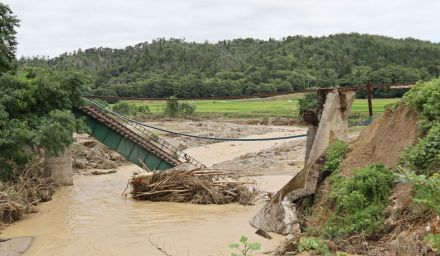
(282, 106)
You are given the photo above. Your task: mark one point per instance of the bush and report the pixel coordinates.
(425, 156)
(424, 97)
(187, 108)
(309, 101)
(334, 156)
(174, 108)
(427, 188)
(124, 108)
(313, 244)
(131, 110)
(359, 201)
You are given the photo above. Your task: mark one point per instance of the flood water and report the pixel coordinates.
(93, 218)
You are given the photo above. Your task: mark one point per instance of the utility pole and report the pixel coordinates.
(369, 95)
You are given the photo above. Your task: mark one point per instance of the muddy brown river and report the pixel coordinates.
(93, 218)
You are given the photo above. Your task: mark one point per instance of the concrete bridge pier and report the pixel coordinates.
(60, 168)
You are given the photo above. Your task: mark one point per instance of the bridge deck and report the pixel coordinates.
(125, 141)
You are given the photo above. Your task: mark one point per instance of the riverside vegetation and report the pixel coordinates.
(358, 200)
(35, 119)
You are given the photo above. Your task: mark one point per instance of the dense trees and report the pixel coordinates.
(8, 43)
(35, 113)
(35, 104)
(165, 68)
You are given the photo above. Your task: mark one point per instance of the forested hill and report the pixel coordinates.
(164, 68)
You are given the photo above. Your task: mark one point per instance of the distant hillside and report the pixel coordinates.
(245, 66)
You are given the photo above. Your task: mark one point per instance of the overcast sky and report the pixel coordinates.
(51, 27)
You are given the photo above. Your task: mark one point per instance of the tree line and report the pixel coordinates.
(174, 67)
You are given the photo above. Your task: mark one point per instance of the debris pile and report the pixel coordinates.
(195, 186)
(90, 154)
(21, 195)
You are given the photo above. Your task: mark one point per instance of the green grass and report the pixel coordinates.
(285, 106)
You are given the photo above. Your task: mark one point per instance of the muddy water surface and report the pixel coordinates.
(92, 218)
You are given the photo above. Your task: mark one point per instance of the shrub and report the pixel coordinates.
(131, 109)
(313, 244)
(425, 156)
(124, 108)
(309, 101)
(424, 97)
(427, 188)
(174, 108)
(334, 155)
(359, 201)
(187, 108)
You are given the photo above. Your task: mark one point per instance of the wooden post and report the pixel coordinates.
(370, 104)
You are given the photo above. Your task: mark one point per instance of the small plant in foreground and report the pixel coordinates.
(247, 247)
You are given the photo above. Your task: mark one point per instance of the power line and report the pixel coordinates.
(125, 118)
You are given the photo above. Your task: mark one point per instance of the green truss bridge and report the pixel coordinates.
(130, 139)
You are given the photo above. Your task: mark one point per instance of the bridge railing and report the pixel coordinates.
(147, 134)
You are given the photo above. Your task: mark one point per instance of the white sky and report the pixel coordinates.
(52, 27)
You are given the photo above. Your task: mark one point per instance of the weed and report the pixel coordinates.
(434, 242)
(425, 156)
(313, 244)
(334, 155)
(247, 247)
(427, 188)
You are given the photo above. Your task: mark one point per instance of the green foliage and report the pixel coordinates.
(163, 68)
(334, 156)
(138, 112)
(247, 248)
(359, 201)
(8, 43)
(309, 101)
(434, 241)
(124, 108)
(187, 108)
(313, 244)
(36, 113)
(427, 188)
(174, 108)
(424, 97)
(425, 156)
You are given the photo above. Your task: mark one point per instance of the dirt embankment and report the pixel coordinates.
(383, 140)
(405, 224)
